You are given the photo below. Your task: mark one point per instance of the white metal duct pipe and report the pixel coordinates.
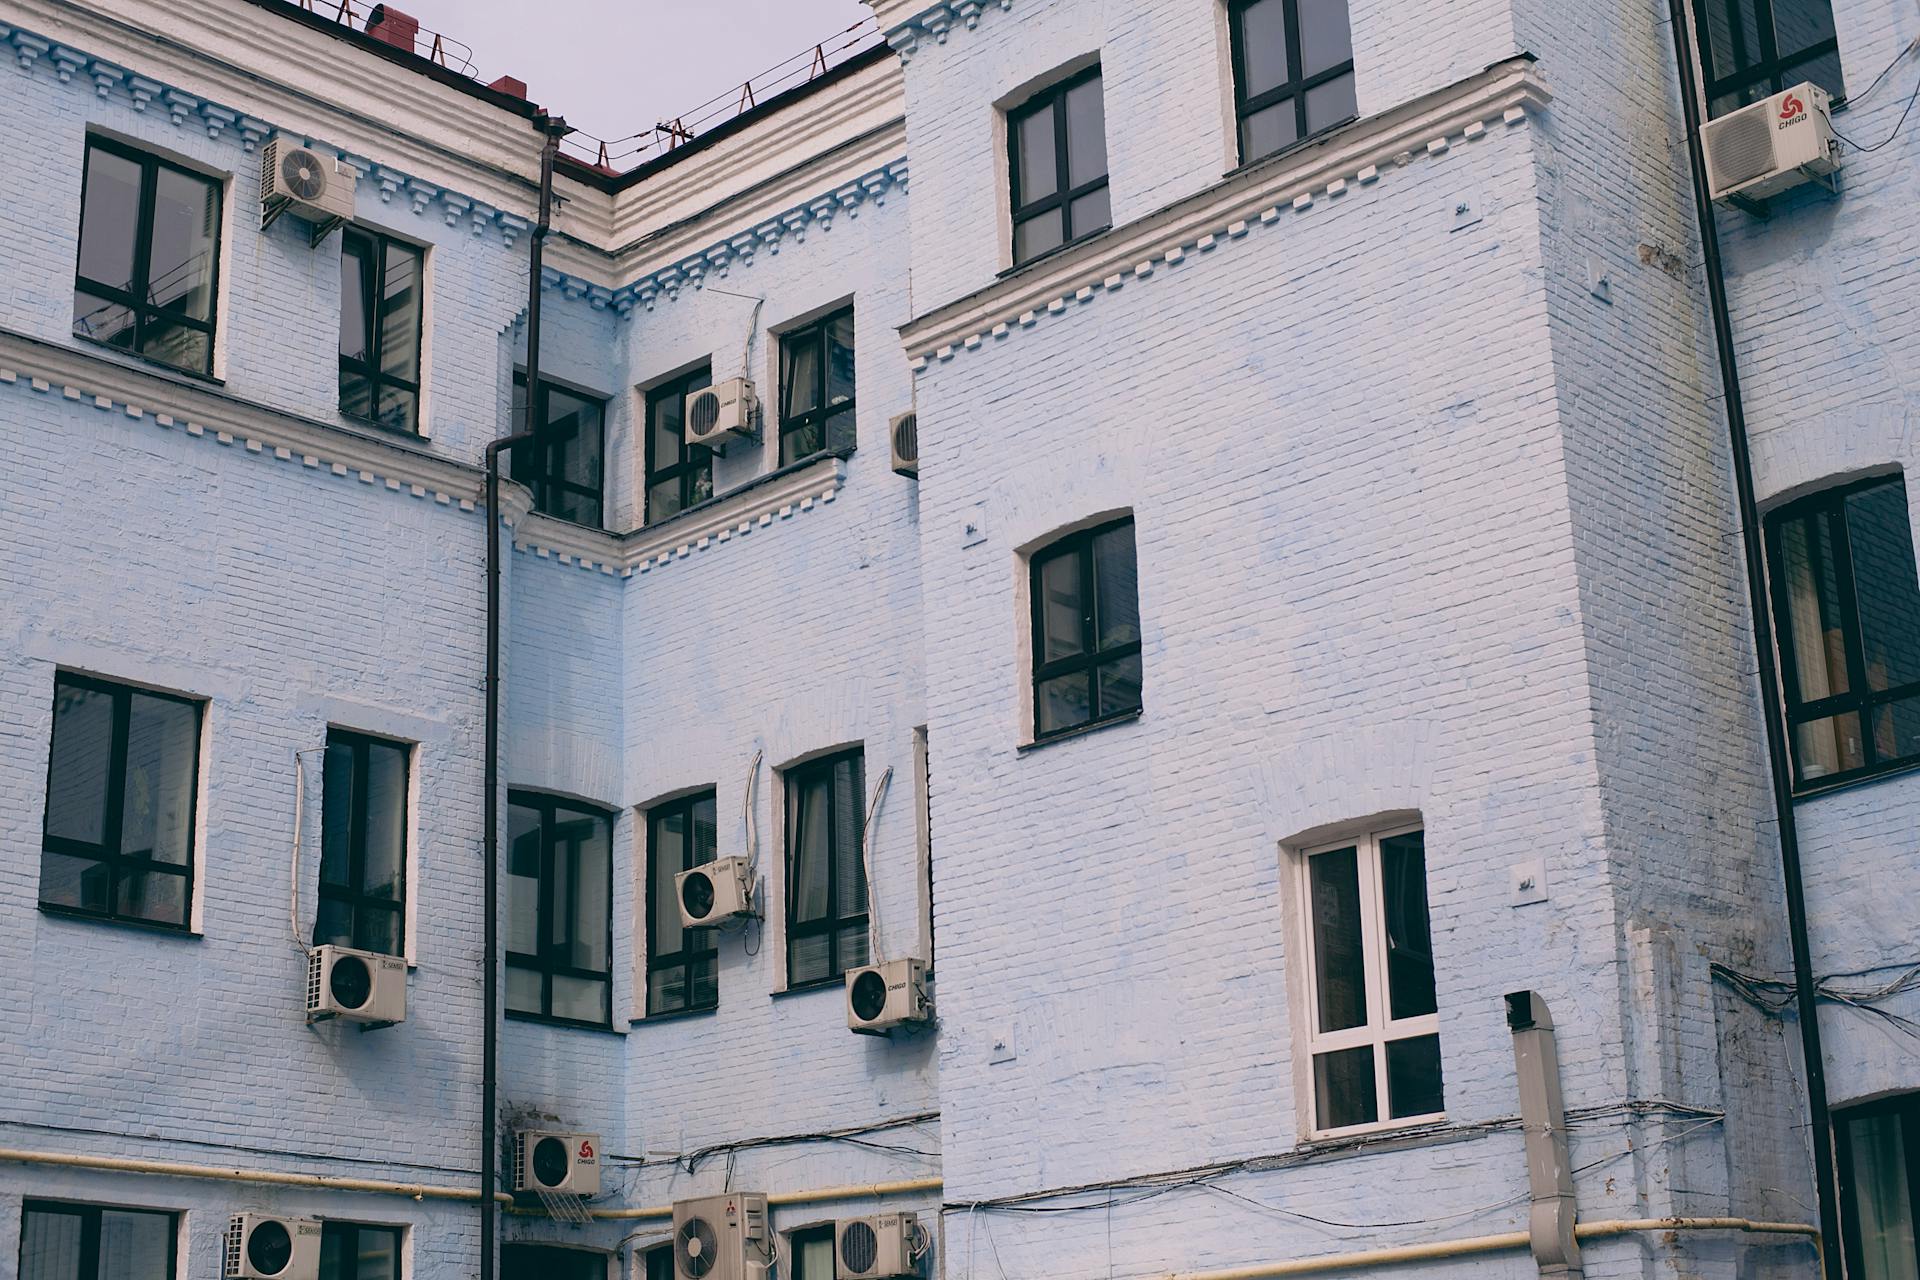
(1543, 1121)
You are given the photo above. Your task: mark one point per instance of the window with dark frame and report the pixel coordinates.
(660, 1262)
(1086, 629)
(811, 1249)
(551, 1262)
(353, 1251)
(1752, 49)
(147, 276)
(564, 463)
(1374, 1030)
(679, 474)
(826, 875)
(559, 910)
(683, 965)
(122, 779)
(1057, 165)
(1846, 609)
(816, 387)
(363, 844)
(1877, 1148)
(381, 294)
(1292, 71)
(96, 1242)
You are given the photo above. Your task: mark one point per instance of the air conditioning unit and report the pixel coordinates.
(299, 180)
(1771, 146)
(714, 893)
(556, 1162)
(359, 986)
(881, 997)
(714, 413)
(878, 1248)
(720, 1237)
(904, 434)
(259, 1247)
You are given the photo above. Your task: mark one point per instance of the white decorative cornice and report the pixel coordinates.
(752, 507)
(143, 399)
(908, 22)
(1254, 199)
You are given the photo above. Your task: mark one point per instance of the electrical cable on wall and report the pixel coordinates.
(853, 1135)
(1899, 124)
(866, 865)
(1772, 996)
(299, 810)
(755, 922)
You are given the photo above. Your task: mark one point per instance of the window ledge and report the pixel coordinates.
(677, 1015)
(1065, 246)
(565, 1023)
(58, 912)
(1079, 731)
(133, 359)
(836, 983)
(1821, 790)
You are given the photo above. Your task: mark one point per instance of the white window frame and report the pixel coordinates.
(1379, 1029)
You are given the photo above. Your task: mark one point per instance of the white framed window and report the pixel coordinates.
(1373, 1029)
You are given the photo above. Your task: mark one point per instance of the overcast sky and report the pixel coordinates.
(614, 67)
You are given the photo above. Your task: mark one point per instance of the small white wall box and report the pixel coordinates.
(881, 997)
(715, 413)
(877, 1248)
(359, 986)
(714, 893)
(720, 1237)
(556, 1162)
(904, 433)
(259, 1247)
(1771, 146)
(300, 180)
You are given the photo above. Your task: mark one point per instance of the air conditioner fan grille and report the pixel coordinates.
(1741, 147)
(859, 1247)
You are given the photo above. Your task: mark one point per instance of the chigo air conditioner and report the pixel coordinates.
(904, 433)
(714, 893)
(259, 1247)
(718, 413)
(721, 1238)
(882, 1247)
(1772, 146)
(557, 1163)
(300, 180)
(881, 997)
(359, 986)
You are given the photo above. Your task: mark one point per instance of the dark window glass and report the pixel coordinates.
(826, 878)
(562, 464)
(121, 781)
(551, 1262)
(660, 1262)
(812, 1251)
(1086, 629)
(1292, 71)
(678, 474)
(349, 1251)
(363, 844)
(1340, 978)
(559, 910)
(147, 272)
(1879, 1158)
(380, 306)
(816, 387)
(1058, 163)
(682, 964)
(93, 1242)
(1752, 49)
(1846, 601)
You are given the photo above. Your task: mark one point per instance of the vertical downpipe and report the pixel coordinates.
(552, 129)
(1819, 1118)
(1543, 1121)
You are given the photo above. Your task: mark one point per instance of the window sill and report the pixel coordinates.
(355, 422)
(691, 514)
(836, 983)
(1320, 138)
(1063, 247)
(135, 360)
(78, 916)
(568, 1023)
(1822, 789)
(1079, 731)
(677, 1015)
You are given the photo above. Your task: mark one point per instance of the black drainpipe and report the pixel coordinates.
(1818, 1114)
(553, 129)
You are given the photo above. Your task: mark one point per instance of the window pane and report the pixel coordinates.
(186, 221)
(135, 1246)
(1896, 730)
(1116, 592)
(1799, 24)
(109, 219)
(179, 345)
(582, 999)
(813, 1256)
(1062, 703)
(75, 882)
(665, 415)
(354, 275)
(1038, 234)
(1325, 40)
(578, 508)
(802, 443)
(660, 1263)
(386, 838)
(336, 815)
(1882, 1198)
(163, 749)
(333, 923)
(1340, 977)
(82, 758)
(377, 929)
(1090, 213)
(1824, 71)
(1413, 1077)
(1812, 587)
(850, 949)
(840, 429)
(663, 500)
(583, 844)
(400, 313)
(399, 409)
(356, 394)
(1829, 746)
(1344, 1090)
(704, 833)
(103, 321)
(799, 373)
(703, 984)
(1403, 891)
(1885, 584)
(523, 990)
(1061, 606)
(811, 849)
(1120, 686)
(1086, 134)
(1733, 35)
(840, 358)
(667, 989)
(810, 960)
(573, 427)
(1034, 146)
(669, 860)
(523, 879)
(1263, 47)
(50, 1245)
(849, 813)
(1330, 103)
(1265, 132)
(158, 896)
